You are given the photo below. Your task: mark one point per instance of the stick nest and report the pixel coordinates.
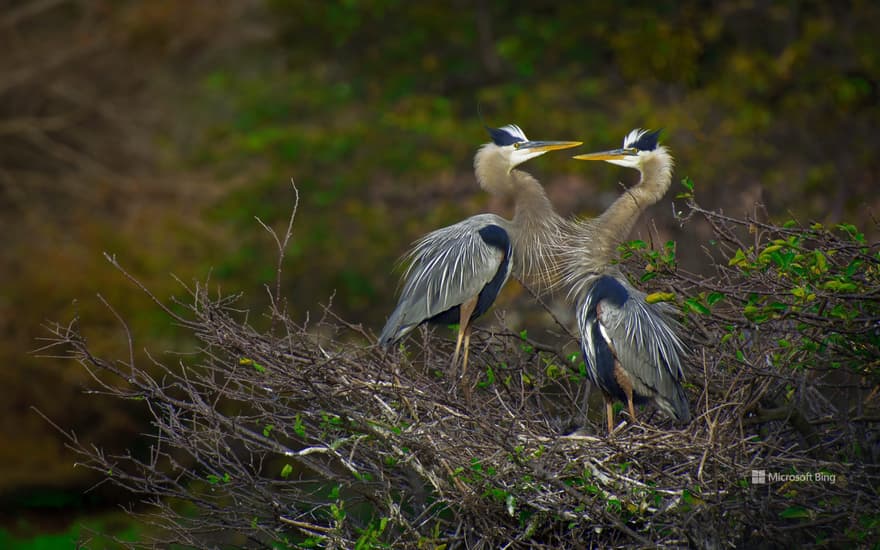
(309, 435)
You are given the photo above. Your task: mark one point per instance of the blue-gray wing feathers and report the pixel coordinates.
(447, 267)
(643, 340)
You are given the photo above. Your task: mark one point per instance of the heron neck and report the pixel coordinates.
(535, 225)
(534, 228)
(532, 206)
(615, 224)
(590, 244)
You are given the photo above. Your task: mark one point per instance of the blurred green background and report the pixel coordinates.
(158, 130)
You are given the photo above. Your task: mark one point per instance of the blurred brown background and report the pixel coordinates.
(157, 130)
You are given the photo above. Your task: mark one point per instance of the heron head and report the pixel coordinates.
(637, 146)
(516, 148)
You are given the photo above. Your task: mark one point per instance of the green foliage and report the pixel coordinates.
(489, 378)
(216, 480)
(656, 261)
(298, 427)
(795, 512)
(688, 193)
(525, 346)
(370, 538)
(251, 363)
(813, 276)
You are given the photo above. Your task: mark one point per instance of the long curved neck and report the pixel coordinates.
(532, 205)
(618, 220)
(534, 229)
(535, 225)
(591, 244)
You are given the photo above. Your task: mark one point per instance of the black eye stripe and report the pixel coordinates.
(643, 140)
(503, 137)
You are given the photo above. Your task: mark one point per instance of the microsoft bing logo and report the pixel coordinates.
(763, 477)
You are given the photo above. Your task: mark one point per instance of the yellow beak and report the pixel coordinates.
(614, 154)
(544, 146)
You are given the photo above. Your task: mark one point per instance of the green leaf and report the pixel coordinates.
(694, 305)
(286, 471)
(655, 297)
(820, 265)
(714, 297)
(802, 293)
(298, 427)
(848, 228)
(554, 371)
(795, 512)
(739, 259)
(690, 498)
(244, 361)
(490, 378)
(687, 183)
(268, 429)
(214, 480)
(841, 286)
(312, 542)
(337, 511)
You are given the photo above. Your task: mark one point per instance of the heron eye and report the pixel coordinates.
(516, 145)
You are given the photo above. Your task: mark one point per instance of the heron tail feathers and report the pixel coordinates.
(675, 405)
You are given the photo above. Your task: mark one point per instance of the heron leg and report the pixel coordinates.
(609, 411)
(457, 349)
(467, 347)
(464, 329)
(629, 404)
(625, 383)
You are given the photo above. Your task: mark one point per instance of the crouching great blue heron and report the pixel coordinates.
(630, 347)
(456, 272)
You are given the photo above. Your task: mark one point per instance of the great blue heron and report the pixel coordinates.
(456, 272)
(630, 347)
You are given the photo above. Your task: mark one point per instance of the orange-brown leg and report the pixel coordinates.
(457, 349)
(609, 412)
(464, 332)
(629, 404)
(626, 385)
(467, 347)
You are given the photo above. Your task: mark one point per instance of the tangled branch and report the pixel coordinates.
(309, 435)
